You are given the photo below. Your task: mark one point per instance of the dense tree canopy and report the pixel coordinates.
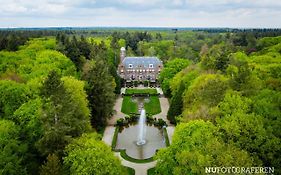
(12, 151)
(170, 70)
(89, 155)
(235, 88)
(197, 145)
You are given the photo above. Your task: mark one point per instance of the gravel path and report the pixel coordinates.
(164, 103)
(118, 114)
(108, 135)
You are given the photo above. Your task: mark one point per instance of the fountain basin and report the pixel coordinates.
(127, 140)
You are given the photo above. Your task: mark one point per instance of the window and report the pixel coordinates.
(150, 65)
(130, 66)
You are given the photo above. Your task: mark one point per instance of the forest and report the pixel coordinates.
(58, 89)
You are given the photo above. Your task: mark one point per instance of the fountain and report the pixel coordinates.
(134, 139)
(142, 128)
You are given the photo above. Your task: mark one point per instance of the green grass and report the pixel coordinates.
(128, 106)
(114, 140)
(141, 91)
(166, 137)
(130, 171)
(151, 171)
(153, 106)
(128, 158)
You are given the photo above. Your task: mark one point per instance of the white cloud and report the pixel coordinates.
(182, 13)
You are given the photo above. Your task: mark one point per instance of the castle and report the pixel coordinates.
(139, 68)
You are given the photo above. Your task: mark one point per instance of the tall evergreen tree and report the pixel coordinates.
(64, 115)
(176, 104)
(100, 90)
(52, 166)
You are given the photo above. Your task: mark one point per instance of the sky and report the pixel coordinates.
(141, 13)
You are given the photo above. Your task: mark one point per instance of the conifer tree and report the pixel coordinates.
(100, 91)
(176, 104)
(52, 166)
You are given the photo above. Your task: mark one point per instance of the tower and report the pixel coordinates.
(122, 54)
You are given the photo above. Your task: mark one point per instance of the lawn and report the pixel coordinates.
(153, 106)
(141, 91)
(130, 171)
(128, 106)
(151, 171)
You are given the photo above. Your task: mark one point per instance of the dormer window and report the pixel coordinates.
(150, 65)
(130, 66)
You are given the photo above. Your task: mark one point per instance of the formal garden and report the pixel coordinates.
(127, 129)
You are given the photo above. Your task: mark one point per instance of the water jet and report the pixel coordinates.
(142, 128)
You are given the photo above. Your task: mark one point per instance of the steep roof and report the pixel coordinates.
(142, 61)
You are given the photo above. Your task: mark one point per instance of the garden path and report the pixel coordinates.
(118, 114)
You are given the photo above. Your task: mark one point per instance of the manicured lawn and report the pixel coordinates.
(130, 171)
(151, 171)
(128, 106)
(153, 106)
(141, 91)
(128, 158)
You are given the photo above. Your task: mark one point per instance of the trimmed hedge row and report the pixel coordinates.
(141, 92)
(133, 118)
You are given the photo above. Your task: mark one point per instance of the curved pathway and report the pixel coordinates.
(140, 168)
(164, 103)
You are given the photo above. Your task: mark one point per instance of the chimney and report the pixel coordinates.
(122, 54)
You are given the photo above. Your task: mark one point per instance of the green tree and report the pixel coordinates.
(247, 130)
(100, 89)
(12, 151)
(217, 57)
(233, 102)
(12, 96)
(27, 117)
(242, 77)
(88, 155)
(52, 166)
(170, 70)
(267, 104)
(197, 145)
(206, 91)
(65, 114)
(176, 104)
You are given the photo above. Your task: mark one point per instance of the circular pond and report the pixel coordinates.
(154, 140)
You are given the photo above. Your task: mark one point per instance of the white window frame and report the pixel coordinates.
(130, 65)
(151, 66)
